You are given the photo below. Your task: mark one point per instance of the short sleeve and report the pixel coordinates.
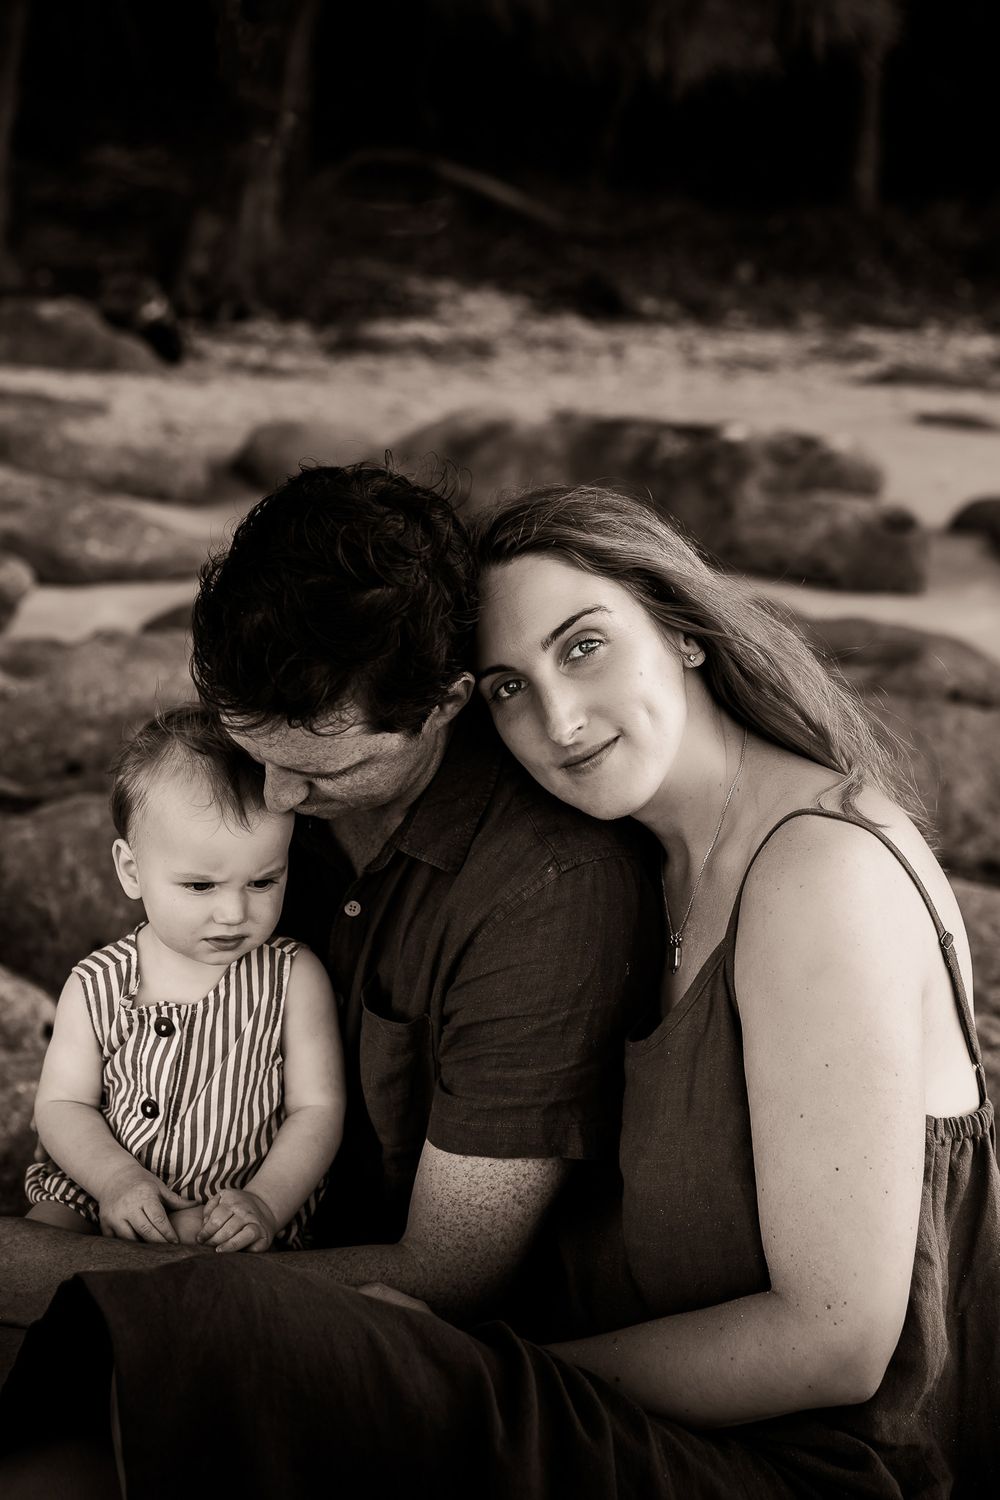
(531, 1049)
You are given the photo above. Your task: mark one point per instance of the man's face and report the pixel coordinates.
(347, 768)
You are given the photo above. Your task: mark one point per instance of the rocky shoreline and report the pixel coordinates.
(81, 507)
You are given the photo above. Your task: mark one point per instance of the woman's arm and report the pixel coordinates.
(830, 958)
(310, 1134)
(75, 1134)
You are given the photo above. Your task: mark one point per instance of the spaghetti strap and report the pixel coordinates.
(945, 938)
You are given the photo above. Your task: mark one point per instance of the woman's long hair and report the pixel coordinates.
(758, 667)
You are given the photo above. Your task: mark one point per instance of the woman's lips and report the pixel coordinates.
(589, 760)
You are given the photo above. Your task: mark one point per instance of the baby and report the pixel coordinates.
(193, 1089)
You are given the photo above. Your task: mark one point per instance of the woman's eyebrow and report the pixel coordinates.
(553, 636)
(549, 640)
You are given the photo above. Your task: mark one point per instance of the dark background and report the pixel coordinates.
(676, 155)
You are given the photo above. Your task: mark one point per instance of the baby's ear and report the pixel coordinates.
(126, 869)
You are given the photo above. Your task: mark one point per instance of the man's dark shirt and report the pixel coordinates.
(487, 965)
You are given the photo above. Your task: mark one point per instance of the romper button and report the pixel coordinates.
(353, 909)
(163, 1027)
(149, 1108)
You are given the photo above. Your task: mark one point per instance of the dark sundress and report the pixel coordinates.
(247, 1376)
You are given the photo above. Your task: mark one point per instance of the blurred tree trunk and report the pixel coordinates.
(13, 16)
(867, 171)
(274, 63)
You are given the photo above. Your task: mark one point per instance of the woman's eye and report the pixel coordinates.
(583, 648)
(504, 691)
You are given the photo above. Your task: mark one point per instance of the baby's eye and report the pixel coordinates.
(504, 691)
(198, 885)
(263, 885)
(586, 647)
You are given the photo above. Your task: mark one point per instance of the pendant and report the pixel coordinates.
(674, 944)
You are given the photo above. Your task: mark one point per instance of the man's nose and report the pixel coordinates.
(283, 790)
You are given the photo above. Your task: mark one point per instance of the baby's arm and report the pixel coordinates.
(75, 1134)
(310, 1133)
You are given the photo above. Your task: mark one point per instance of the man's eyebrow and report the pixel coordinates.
(550, 639)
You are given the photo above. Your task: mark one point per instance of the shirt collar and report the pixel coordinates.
(442, 822)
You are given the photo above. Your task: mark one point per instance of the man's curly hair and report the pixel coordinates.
(346, 588)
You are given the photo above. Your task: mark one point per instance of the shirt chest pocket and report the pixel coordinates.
(397, 1073)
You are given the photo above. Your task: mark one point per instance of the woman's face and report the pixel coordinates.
(585, 689)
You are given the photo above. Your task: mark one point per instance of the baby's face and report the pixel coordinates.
(211, 888)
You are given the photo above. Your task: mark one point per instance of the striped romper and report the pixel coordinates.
(192, 1089)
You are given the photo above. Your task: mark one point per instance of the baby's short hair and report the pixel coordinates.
(187, 737)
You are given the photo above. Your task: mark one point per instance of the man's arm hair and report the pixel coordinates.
(471, 1221)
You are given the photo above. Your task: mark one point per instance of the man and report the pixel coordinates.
(488, 945)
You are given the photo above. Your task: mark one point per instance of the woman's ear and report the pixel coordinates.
(126, 869)
(692, 653)
(452, 703)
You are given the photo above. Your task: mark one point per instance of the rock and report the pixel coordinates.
(982, 515)
(960, 421)
(952, 751)
(836, 540)
(980, 906)
(274, 451)
(898, 659)
(138, 303)
(941, 699)
(785, 504)
(178, 618)
(16, 578)
(63, 708)
(26, 1016)
(165, 471)
(59, 895)
(70, 534)
(66, 333)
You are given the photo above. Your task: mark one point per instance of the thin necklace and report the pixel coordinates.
(676, 935)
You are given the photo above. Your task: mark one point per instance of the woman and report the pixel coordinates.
(811, 1212)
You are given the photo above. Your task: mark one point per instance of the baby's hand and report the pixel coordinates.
(132, 1207)
(236, 1219)
(187, 1223)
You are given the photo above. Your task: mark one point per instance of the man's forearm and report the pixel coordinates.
(435, 1281)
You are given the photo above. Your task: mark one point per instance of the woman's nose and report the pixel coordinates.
(283, 790)
(564, 718)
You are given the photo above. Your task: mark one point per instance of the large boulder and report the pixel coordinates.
(981, 910)
(781, 503)
(157, 470)
(881, 656)
(16, 578)
(63, 708)
(275, 450)
(66, 333)
(952, 751)
(26, 1016)
(70, 534)
(941, 699)
(59, 895)
(983, 516)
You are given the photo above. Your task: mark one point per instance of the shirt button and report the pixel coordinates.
(163, 1027)
(149, 1108)
(353, 909)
